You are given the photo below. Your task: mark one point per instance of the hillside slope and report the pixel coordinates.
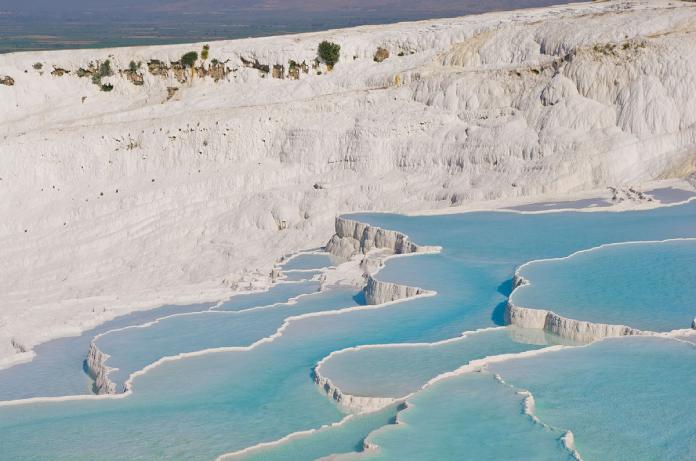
(181, 185)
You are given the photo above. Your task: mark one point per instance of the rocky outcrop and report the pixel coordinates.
(171, 91)
(575, 330)
(347, 402)
(59, 72)
(255, 64)
(7, 80)
(180, 72)
(95, 364)
(18, 346)
(353, 237)
(88, 72)
(378, 292)
(158, 68)
(381, 54)
(217, 70)
(278, 71)
(135, 77)
(294, 69)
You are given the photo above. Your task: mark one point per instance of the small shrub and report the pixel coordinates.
(37, 66)
(329, 52)
(104, 70)
(107, 87)
(133, 67)
(204, 53)
(189, 59)
(292, 64)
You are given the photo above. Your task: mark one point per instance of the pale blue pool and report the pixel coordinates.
(399, 370)
(469, 417)
(201, 407)
(133, 348)
(649, 286)
(628, 398)
(308, 261)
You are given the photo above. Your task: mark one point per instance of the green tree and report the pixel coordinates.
(329, 53)
(204, 53)
(189, 60)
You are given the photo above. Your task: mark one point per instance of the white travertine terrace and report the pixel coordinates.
(146, 195)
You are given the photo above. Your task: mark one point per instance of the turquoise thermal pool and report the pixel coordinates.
(246, 374)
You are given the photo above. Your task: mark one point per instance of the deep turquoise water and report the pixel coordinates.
(649, 286)
(204, 406)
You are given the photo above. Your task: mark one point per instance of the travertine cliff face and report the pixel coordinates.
(378, 292)
(550, 322)
(177, 184)
(98, 371)
(353, 237)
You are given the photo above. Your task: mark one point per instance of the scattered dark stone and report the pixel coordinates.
(59, 72)
(381, 54)
(171, 91)
(278, 71)
(264, 68)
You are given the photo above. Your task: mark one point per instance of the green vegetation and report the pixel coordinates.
(329, 52)
(104, 70)
(37, 66)
(189, 59)
(107, 87)
(204, 53)
(133, 67)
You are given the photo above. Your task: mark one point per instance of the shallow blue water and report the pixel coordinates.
(204, 406)
(671, 194)
(297, 275)
(649, 286)
(57, 368)
(134, 348)
(628, 398)
(399, 370)
(307, 261)
(469, 417)
(346, 437)
(278, 293)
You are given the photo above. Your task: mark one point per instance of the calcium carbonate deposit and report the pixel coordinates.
(237, 194)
